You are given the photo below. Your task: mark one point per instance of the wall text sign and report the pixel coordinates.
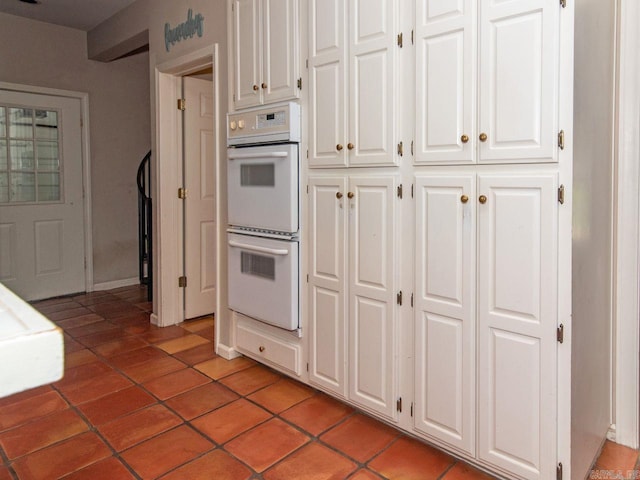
(192, 26)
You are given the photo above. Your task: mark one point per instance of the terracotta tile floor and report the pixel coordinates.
(140, 402)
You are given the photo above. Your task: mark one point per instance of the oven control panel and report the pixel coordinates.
(275, 123)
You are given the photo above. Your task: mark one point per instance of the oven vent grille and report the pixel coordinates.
(258, 265)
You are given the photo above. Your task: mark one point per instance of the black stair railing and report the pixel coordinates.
(145, 225)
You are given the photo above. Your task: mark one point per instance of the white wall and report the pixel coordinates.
(45, 55)
(592, 229)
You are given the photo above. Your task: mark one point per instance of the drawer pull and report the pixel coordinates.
(261, 349)
(256, 248)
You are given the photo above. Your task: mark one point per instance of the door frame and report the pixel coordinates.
(167, 174)
(626, 341)
(83, 97)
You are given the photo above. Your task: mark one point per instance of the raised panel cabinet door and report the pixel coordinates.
(517, 322)
(247, 51)
(444, 309)
(373, 84)
(327, 84)
(445, 81)
(280, 69)
(372, 293)
(519, 81)
(328, 204)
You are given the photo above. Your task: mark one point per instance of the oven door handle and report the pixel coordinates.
(243, 156)
(255, 248)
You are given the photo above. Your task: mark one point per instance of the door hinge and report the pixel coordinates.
(306, 62)
(412, 190)
(561, 139)
(300, 83)
(399, 298)
(399, 191)
(399, 404)
(411, 37)
(561, 194)
(412, 154)
(307, 278)
(412, 409)
(307, 366)
(307, 189)
(182, 193)
(412, 300)
(401, 149)
(400, 40)
(560, 334)
(181, 103)
(563, 3)
(182, 282)
(559, 471)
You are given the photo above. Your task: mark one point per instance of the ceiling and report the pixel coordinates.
(79, 14)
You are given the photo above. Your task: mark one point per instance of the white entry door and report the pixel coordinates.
(200, 181)
(42, 236)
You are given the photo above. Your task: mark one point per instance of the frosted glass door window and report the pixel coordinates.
(30, 164)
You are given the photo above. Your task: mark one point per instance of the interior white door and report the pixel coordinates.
(445, 309)
(200, 181)
(517, 322)
(42, 234)
(327, 272)
(372, 293)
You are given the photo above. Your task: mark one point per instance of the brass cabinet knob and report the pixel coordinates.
(483, 137)
(482, 199)
(350, 195)
(464, 138)
(351, 146)
(339, 147)
(464, 199)
(256, 88)
(264, 86)
(261, 348)
(339, 195)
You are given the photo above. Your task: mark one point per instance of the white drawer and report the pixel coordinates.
(266, 348)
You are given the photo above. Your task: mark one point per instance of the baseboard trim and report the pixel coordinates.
(227, 353)
(127, 282)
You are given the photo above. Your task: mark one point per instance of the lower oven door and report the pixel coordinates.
(263, 279)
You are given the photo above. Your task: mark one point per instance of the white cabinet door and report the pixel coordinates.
(445, 81)
(328, 214)
(247, 34)
(352, 44)
(519, 80)
(327, 83)
(280, 50)
(444, 309)
(517, 302)
(373, 85)
(372, 293)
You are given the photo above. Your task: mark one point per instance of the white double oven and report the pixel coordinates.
(264, 211)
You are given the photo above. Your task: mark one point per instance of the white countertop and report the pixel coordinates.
(31, 347)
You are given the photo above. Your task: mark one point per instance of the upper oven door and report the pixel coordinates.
(263, 187)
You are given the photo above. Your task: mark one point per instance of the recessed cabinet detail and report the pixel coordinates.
(352, 76)
(352, 289)
(510, 113)
(266, 51)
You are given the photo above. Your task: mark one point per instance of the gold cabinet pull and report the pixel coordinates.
(464, 199)
(339, 195)
(256, 88)
(482, 199)
(350, 195)
(464, 138)
(351, 146)
(264, 86)
(339, 147)
(483, 137)
(261, 348)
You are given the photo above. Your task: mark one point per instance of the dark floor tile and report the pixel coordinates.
(121, 345)
(41, 433)
(158, 367)
(91, 390)
(108, 335)
(62, 458)
(71, 313)
(116, 405)
(216, 465)
(196, 355)
(136, 357)
(82, 376)
(110, 307)
(252, 379)
(4, 473)
(97, 327)
(312, 462)
(18, 397)
(58, 307)
(176, 383)
(282, 395)
(109, 469)
(139, 426)
(156, 334)
(229, 421)
(201, 400)
(317, 414)
(166, 452)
